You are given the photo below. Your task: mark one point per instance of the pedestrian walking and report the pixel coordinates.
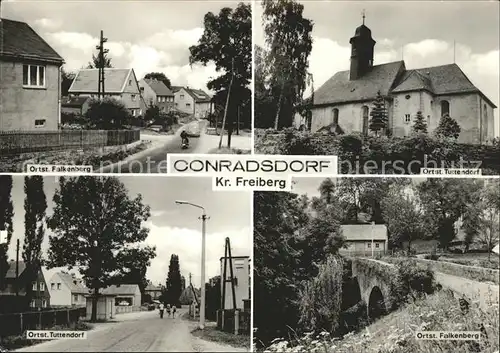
(162, 308)
(168, 310)
(174, 309)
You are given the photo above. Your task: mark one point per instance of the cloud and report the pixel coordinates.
(48, 24)
(186, 243)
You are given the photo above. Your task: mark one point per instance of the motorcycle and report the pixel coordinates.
(185, 144)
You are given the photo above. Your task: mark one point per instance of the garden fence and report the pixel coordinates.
(17, 323)
(16, 142)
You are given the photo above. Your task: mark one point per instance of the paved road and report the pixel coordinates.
(155, 160)
(137, 332)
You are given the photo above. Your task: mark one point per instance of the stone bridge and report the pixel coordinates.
(373, 281)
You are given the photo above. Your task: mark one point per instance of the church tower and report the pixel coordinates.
(362, 45)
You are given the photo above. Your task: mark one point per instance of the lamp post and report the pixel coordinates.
(203, 221)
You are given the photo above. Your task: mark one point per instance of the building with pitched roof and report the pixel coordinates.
(67, 290)
(158, 94)
(128, 295)
(120, 84)
(17, 282)
(192, 101)
(30, 79)
(75, 105)
(364, 238)
(345, 100)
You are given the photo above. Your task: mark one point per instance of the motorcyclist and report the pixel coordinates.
(184, 137)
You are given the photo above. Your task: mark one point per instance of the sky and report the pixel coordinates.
(173, 229)
(422, 32)
(144, 35)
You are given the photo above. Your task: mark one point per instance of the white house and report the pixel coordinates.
(192, 101)
(67, 290)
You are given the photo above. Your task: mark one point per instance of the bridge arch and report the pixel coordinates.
(376, 304)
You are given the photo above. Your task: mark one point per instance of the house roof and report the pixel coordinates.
(73, 101)
(339, 89)
(159, 87)
(394, 78)
(198, 95)
(353, 232)
(74, 284)
(19, 40)
(123, 289)
(86, 80)
(11, 272)
(151, 287)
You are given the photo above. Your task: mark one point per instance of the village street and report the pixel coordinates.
(137, 332)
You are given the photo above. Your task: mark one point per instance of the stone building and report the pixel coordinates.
(345, 100)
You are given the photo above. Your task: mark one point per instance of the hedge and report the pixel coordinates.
(381, 155)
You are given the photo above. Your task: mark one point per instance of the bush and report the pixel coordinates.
(107, 114)
(321, 298)
(413, 280)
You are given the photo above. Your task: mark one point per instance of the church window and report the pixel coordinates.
(365, 114)
(407, 96)
(335, 116)
(445, 107)
(407, 118)
(485, 120)
(428, 120)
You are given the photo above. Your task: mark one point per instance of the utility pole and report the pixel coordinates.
(102, 52)
(202, 302)
(17, 267)
(227, 104)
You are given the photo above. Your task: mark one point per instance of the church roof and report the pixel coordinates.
(339, 89)
(438, 80)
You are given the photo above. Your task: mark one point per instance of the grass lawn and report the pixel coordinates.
(210, 333)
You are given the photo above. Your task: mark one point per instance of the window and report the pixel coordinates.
(42, 286)
(133, 98)
(182, 96)
(335, 116)
(369, 245)
(377, 245)
(365, 112)
(39, 122)
(188, 105)
(75, 297)
(428, 120)
(34, 76)
(130, 82)
(52, 286)
(44, 303)
(33, 303)
(34, 286)
(133, 112)
(58, 286)
(407, 118)
(445, 107)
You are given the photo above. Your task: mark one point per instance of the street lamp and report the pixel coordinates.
(203, 220)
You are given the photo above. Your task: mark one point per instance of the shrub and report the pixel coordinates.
(448, 127)
(107, 114)
(413, 280)
(321, 298)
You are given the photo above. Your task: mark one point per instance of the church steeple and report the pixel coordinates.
(362, 46)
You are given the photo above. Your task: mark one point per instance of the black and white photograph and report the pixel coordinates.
(115, 86)
(389, 87)
(132, 263)
(372, 264)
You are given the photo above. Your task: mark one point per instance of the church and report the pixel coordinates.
(343, 103)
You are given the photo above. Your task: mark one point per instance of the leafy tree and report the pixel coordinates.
(159, 76)
(378, 115)
(489, 217)
(213, 297)
(444, 201)
(448, 127)
(6, 214)
(173, 285)
(95, 230)
(264, 100)
(98, 62)
(66, 81)
(419, 125)
(152, 113)
(107, 114)
(35, 205)
(227, 42)
(404, 219)
(327, 190)
(288, 36)
(135, 273)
